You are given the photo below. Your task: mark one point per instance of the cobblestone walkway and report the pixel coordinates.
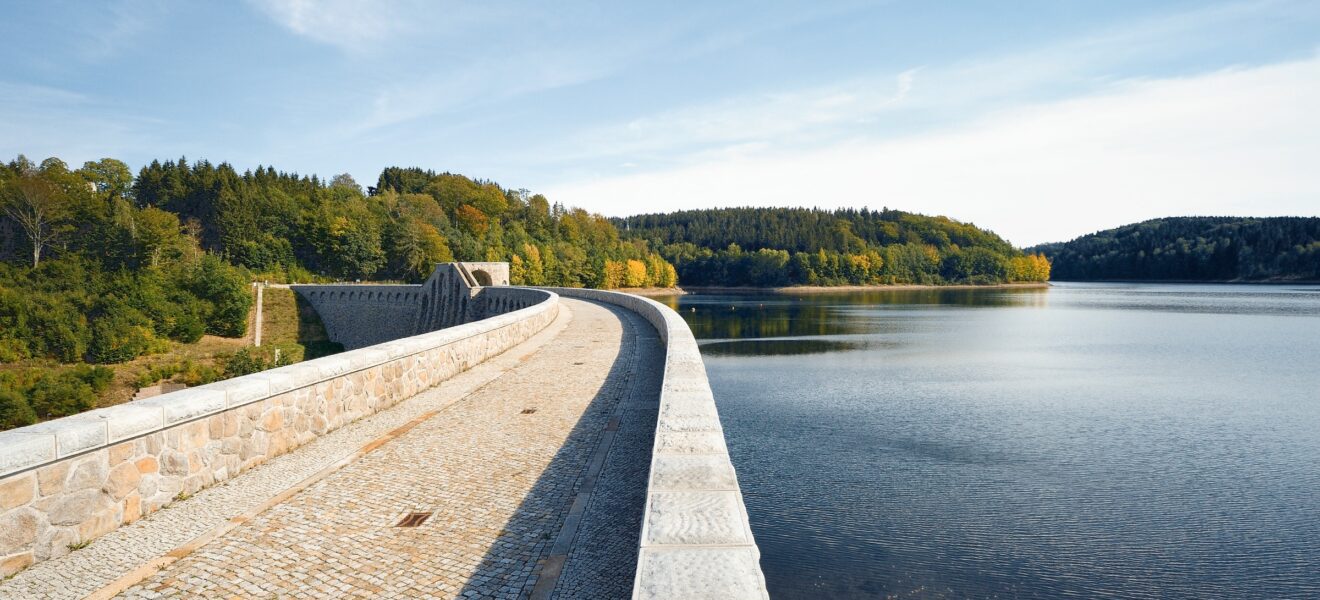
(500, 471)
(119, 552)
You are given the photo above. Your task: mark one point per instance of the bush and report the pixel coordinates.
(12, 350)
(227, 290)
(97, 377)
(188, 328)
(58, 330)
(61, 395)
(245, 362)
(195, 374)
(120, 334)
(14, 408)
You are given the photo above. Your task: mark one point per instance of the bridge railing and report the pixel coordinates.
(696, 541)
(67, 481)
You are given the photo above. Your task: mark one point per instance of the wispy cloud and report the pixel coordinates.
(125, 21)
(348, 24)
(742, 123)
(1234, 141)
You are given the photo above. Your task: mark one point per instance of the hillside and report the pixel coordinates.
(99, 266)
(798, 246)
(1193, 249)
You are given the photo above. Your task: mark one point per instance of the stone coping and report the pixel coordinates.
(696, 541)
(34, 446)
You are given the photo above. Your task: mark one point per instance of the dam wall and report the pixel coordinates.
(361, 315)
(67, 481)
(696, 541)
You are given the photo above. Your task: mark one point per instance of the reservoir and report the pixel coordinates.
(1086, 440)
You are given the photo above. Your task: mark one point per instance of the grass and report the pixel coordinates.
(79, 545)
(292, 326)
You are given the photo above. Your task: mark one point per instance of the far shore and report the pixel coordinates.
(826, 289)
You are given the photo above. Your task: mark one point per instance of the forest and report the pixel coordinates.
(1194, 249)
(99, 266)
(773, 247)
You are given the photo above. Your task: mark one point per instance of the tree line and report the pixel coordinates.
(771, 247)
(1194, 249)
(99, 266)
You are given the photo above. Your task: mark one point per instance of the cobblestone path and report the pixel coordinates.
(500, 471)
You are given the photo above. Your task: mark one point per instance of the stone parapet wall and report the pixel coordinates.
(67, 481)
(696, 541)
(362, 315)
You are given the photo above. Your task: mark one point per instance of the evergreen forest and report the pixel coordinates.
(1194, 249)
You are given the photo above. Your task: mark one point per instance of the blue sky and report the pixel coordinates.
(1039, 120)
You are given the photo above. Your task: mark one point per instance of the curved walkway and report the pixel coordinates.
(532, 466)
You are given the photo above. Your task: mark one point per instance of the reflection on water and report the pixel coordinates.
(1090, 440)
(728, 316)
(778, 347)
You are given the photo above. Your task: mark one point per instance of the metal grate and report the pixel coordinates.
(528, 411)
(414, 519)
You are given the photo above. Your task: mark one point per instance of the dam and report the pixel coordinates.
(475, 440)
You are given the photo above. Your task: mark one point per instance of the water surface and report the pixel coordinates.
(1089, 440)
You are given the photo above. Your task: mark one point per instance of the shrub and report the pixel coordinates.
(188, 328)
(59, 395)
(197, 374)
(244, 362)
(12, 350)
(228, 292)
(96, 376)
(58, 330)
(120, 334)
(14, 408)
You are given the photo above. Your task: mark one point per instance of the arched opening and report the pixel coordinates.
(482, 277)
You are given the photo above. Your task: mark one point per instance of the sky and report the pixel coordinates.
(1039, 120)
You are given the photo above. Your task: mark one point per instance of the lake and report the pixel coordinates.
(1087, 440)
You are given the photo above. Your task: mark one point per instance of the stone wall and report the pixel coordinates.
(67, 481)
(696, 541)
(488, 273)
(360, 315)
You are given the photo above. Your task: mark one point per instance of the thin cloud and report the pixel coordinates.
(348, 24)
(1235, 141)
(755, 120)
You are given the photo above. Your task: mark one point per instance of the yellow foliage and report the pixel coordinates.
(615, 275)
(1032, 267)
(636, 274)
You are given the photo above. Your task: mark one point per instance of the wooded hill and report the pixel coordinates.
(798, 246)
(1194, 249)
(99, 266)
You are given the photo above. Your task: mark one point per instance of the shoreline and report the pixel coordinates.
(1199, 281)
(652, 292)
(820, 289)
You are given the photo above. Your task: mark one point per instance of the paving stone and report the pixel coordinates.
(499, 484)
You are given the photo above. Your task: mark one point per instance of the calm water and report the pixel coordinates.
(1090, 440)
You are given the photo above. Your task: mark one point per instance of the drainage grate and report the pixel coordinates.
(528, 411)
(414, 519)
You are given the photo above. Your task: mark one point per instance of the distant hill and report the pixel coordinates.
(770, 247)
(1193, 249)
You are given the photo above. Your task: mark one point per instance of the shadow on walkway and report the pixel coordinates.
(586, 546)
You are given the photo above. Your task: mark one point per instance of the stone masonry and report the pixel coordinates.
(498, 473)
(65, 482)
(594, 467)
